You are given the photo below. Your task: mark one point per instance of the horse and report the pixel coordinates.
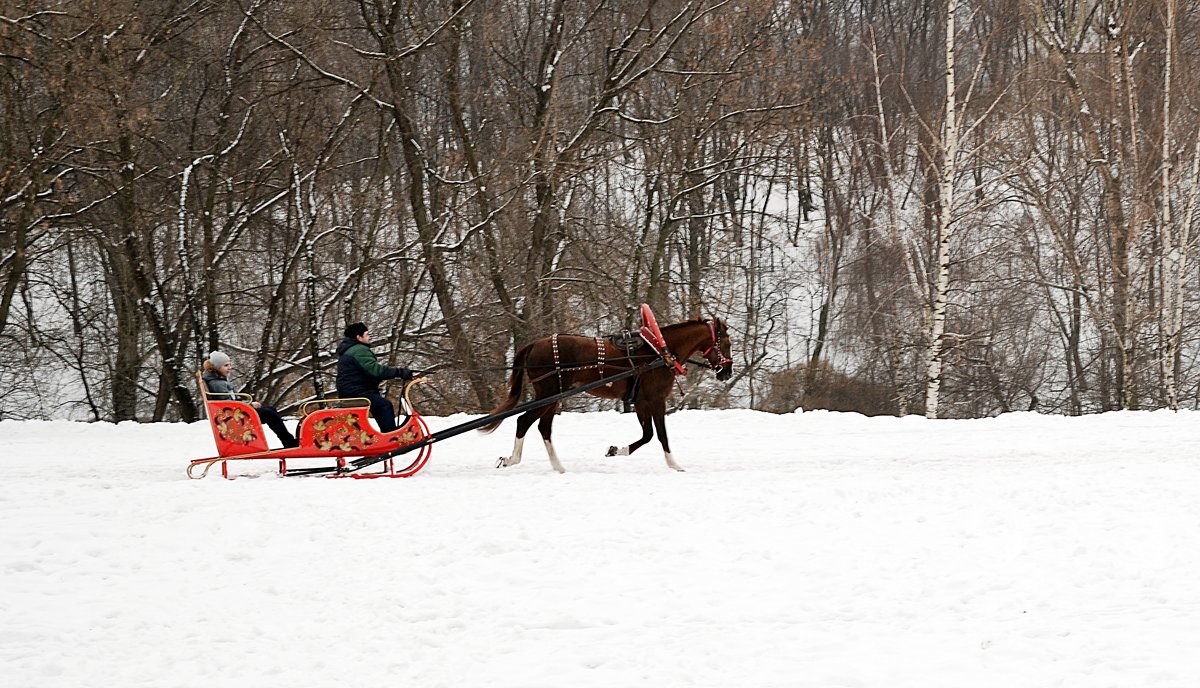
(557, 363)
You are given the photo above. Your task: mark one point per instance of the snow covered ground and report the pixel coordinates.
(813, 549)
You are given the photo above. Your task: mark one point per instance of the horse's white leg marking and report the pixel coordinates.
(516, 454)
(554, 457)
(671, 463)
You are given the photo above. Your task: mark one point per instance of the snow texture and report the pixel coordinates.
(811, 549)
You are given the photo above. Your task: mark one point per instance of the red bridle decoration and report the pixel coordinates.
(722, 359)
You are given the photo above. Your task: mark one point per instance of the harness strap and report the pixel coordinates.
(557, 367)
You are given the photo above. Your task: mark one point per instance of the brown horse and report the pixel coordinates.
(560, 362)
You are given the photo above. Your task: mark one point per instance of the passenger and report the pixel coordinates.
(216, 380)
(359, 374)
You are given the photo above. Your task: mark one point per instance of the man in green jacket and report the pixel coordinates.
(359, 374)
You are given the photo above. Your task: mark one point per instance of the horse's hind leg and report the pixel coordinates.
(643, 414)
(524, 421)
(660, 425)
(546, 426)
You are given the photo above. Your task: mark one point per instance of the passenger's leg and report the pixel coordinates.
(274, 421)
(382, 411)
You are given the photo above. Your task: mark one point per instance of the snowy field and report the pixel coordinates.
(813, 549)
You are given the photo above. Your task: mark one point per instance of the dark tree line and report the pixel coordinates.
(957, 208)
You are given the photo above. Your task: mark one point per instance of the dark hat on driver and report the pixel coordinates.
(356, 330)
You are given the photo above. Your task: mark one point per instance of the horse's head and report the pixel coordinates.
(719, 353)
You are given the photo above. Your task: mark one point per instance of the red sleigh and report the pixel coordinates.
(337, 429)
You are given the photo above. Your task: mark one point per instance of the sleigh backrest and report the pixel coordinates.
(234, 422)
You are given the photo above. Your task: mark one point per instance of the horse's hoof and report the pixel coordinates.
(612, 451)
(502, 463)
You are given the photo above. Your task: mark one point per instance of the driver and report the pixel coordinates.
(359, 374)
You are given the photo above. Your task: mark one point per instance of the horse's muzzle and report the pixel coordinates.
(725, 372)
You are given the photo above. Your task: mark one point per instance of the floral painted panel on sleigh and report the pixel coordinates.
(237, 426)
(345, 432)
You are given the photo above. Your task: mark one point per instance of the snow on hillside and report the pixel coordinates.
(813, 549)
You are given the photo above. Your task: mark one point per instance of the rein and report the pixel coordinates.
(714, 344)
(582, 365)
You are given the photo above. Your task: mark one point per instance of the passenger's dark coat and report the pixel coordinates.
(358, 371)
(218, 386)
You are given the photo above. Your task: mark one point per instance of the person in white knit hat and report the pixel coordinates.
(216, 380)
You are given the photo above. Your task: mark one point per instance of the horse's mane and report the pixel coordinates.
(685, 323)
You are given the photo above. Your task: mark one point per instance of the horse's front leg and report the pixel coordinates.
(659, 412)
(643, 414)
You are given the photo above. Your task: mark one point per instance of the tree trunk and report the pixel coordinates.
(945, 230)
(414, 163)
(126, 290)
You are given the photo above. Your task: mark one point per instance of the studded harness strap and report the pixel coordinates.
(557, 365)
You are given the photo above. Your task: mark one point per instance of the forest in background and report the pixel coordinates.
(955, 208)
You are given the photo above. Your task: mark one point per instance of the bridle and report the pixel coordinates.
(715, 345)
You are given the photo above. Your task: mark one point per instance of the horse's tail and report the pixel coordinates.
(515, 382)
